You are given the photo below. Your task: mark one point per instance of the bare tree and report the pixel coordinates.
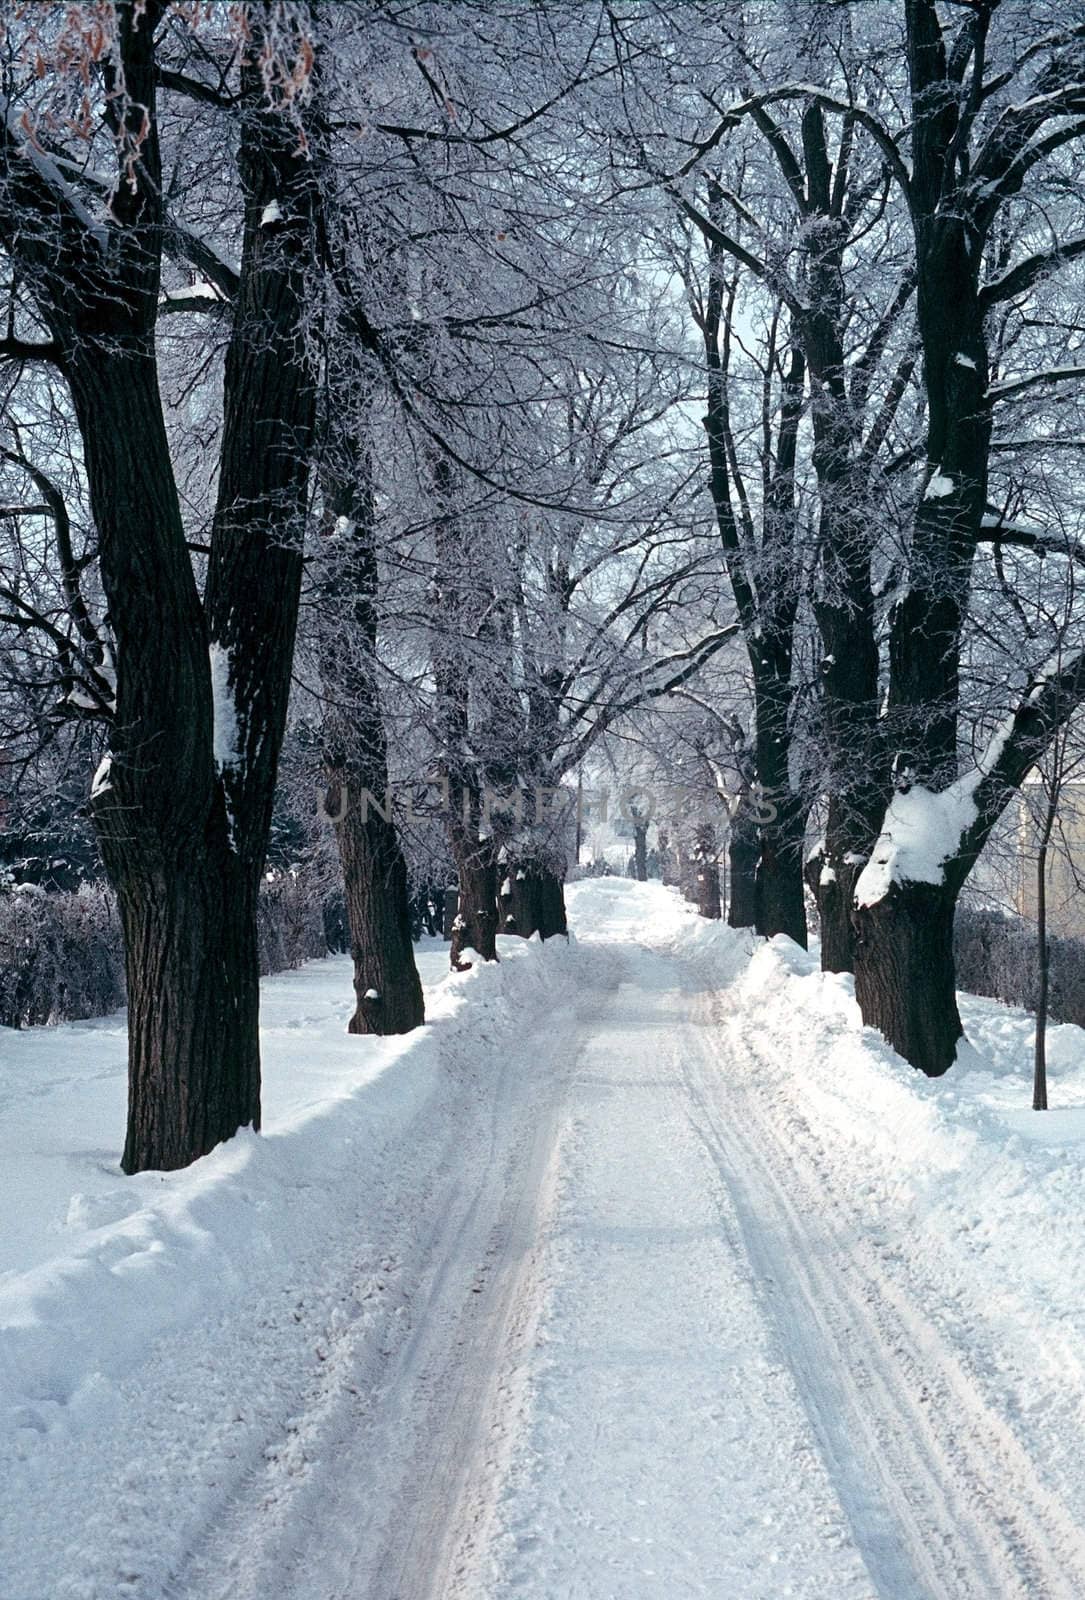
(183, 804)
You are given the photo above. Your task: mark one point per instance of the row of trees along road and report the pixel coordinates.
(353, 377)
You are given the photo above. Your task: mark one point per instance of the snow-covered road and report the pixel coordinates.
(635, 1310)
(590, 1399)
(650, 1355)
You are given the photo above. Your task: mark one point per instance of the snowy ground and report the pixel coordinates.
(641, 1272)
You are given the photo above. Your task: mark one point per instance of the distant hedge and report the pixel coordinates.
(62, 956)
(996, 956)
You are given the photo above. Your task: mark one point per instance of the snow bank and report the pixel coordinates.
(152, 1327)
(973, 1200)
(989, 1181)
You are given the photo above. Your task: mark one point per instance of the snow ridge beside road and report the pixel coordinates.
(174, 1341)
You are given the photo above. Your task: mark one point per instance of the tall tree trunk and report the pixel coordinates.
(780, 904)
(780, 815)
(192, 971)
(767, 605)
(535, 901)
(166, 844)
(387, 987)
(904, 973)
(706, 872)
(1043, 947)
(856, 779)
(457, 620)
(388, 991)
(522, 904)
(1043, 958)
(553, 920)
(476, 921)
(833, 888)
(192, 967)
(640, 851)
(743, 852)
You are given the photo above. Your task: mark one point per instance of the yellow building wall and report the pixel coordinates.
(1065, 876)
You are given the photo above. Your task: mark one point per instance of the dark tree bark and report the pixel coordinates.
(833, 888)
(640, 851)
(904, 970)
(904, 974)
(388, 991)
(956, 187)
(1043, 943)
(927, 623)
(521, 905)
(450, 898)
(743, 850)
(957, 183)
(457, 606)
(831, 204)
(387, 987)
(515, 909)
(535, 902)
(386, 982)
(767, 606)
(187, 909)
(1043, 961)
(476, 921)
(193, 1009)
(856, 778)
(552, 915)
(706, 872)
(779, 902)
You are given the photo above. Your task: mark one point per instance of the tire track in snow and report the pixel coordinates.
(393, 1492)
(875, 1429)
(665, 1451)
(943, 1500)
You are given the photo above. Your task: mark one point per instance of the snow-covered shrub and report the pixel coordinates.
(996, 955)
(290, 924)
(61, 955)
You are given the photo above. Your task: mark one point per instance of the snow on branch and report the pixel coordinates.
(688, 662)
(200, 297)
(927, 833)
(804, 91)
(1002, 391)
(922, 830)
(993, 530)
(181, 241)
(20, 136)
(775, 278)
(1025, 273)
(40, 202)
